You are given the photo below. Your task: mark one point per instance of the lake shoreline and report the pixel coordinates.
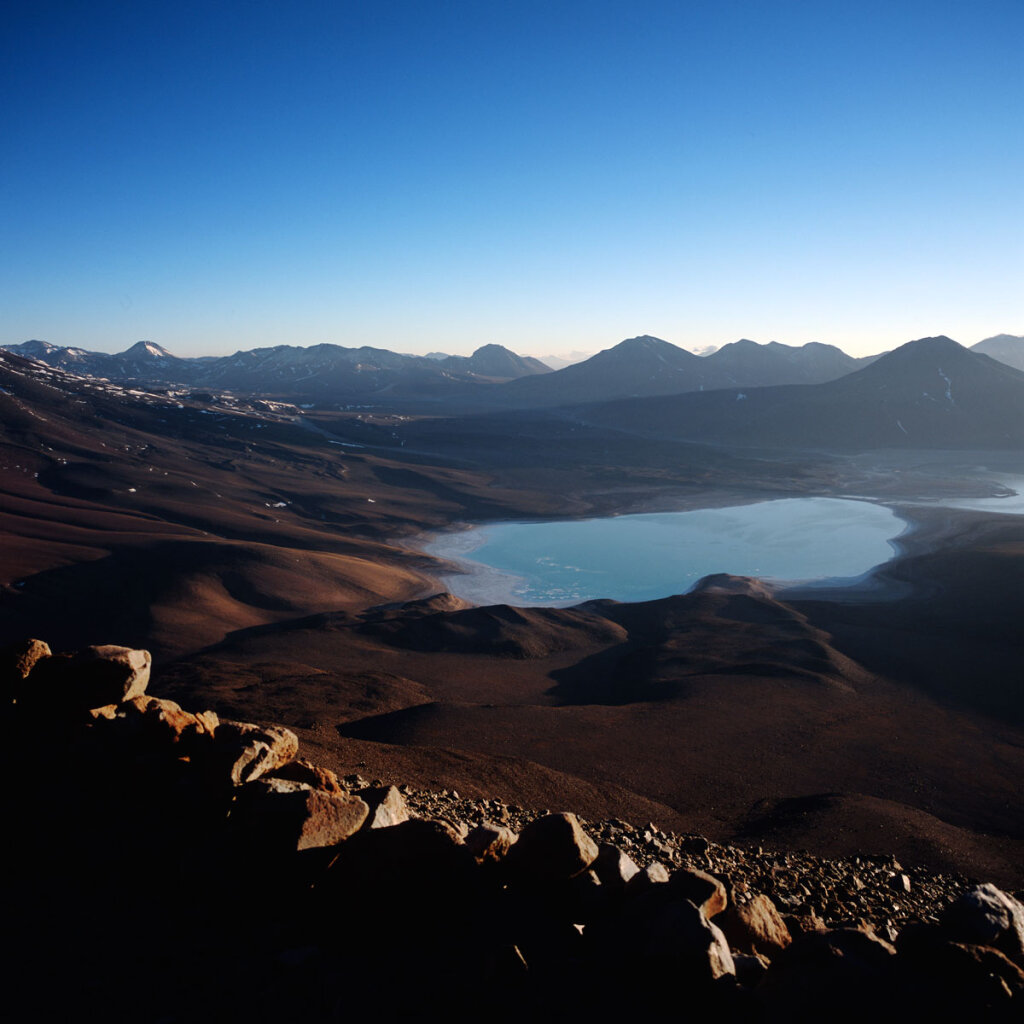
(927, 524)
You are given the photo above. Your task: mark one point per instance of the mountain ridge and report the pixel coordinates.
(493, 376)
(931, 392)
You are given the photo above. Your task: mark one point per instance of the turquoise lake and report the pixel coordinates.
(652, 555)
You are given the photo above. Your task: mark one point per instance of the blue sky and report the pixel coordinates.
(549, 176)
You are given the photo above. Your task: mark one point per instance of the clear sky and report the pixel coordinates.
(550, 176)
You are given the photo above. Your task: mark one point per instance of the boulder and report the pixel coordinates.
(89, 678)
(755, 927)
(851, 968)
(311, 774)
(986, 972)
(241, 752)
(16, 662)
(701, 889)
(552, 848)
(952, 978)
(987, 916)
(678, 938)
(489, 844)
(614, 867)
(654, 874)
(289, 816)
(387, 806)
(418, 872)
(161, 724)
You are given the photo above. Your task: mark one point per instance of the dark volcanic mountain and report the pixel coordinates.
(746, 364)
(930, 393)
(497, 363)
(635, 367)
(644, 366)
(1007, 348)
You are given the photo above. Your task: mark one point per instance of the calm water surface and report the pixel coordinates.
(642, 557)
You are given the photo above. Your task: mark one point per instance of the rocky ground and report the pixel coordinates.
(841, 893)
(175, 866)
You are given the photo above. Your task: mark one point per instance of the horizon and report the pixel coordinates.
(702, 351)
(421, 178)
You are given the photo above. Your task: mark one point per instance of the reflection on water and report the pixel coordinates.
(642, 557)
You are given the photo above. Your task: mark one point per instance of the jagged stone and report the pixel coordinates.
(755, 927)
(89, 678)
(676, 933)
(244, 752)
(161, 723)
(614, 867)
(311, 774)
(701, 889)
(16, 662)
(900, 882)
(551, 848)
(387, 806)
(987, 916)
(490, 843)
(291, 816)
(654, 874)
(107, 713)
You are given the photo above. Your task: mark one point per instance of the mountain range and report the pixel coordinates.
(325, 372)
(929, 393)
(493, 376)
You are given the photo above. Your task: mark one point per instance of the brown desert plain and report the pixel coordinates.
(271, 559)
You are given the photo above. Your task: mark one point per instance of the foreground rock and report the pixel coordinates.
(986, 916)
(244, 751)
(89, 678)
(287, 816)
(552, 848)
(236, 881)
(16, 662)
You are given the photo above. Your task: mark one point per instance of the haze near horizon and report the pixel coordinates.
(423, 178)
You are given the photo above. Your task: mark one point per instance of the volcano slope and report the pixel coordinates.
(255, 554)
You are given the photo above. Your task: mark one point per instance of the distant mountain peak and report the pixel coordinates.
(35, 347)
(643, 346)
(925, 348)
(146, 350)
(940, 341)
(1006, 348)
(492, 348)
(644, 341)
(497, 362)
